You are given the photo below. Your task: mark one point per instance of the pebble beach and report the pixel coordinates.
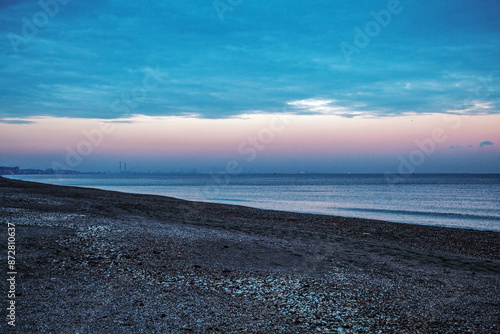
(94, 261)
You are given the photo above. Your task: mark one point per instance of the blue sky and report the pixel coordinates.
(190, 83)
(259, 57)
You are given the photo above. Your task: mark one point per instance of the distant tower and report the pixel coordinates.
(120, 166)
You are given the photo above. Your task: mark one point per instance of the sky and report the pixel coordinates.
(243, 86)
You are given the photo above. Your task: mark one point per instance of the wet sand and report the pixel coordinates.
(93, 261)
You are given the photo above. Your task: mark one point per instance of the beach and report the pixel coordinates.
(94, 261)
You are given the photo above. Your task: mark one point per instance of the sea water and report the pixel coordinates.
(463, 201)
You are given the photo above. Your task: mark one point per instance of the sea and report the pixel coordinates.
(454, 200)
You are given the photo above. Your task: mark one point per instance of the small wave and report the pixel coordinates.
(228, 200)
(425, 213)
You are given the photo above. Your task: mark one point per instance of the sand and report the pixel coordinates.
(93, 261)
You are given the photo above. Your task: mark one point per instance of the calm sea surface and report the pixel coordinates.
(465, 201)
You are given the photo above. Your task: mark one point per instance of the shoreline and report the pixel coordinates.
(207, 267)
(470, 225)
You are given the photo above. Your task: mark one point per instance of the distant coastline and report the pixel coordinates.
(16, 170)
(4, 170)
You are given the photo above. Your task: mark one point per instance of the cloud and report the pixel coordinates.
(120, 121)
(322, 107)
(485, 143)
(15, 121)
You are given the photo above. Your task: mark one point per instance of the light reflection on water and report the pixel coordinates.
(466, 201)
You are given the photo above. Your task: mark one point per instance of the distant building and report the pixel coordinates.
(30, 171)
(9, 170)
